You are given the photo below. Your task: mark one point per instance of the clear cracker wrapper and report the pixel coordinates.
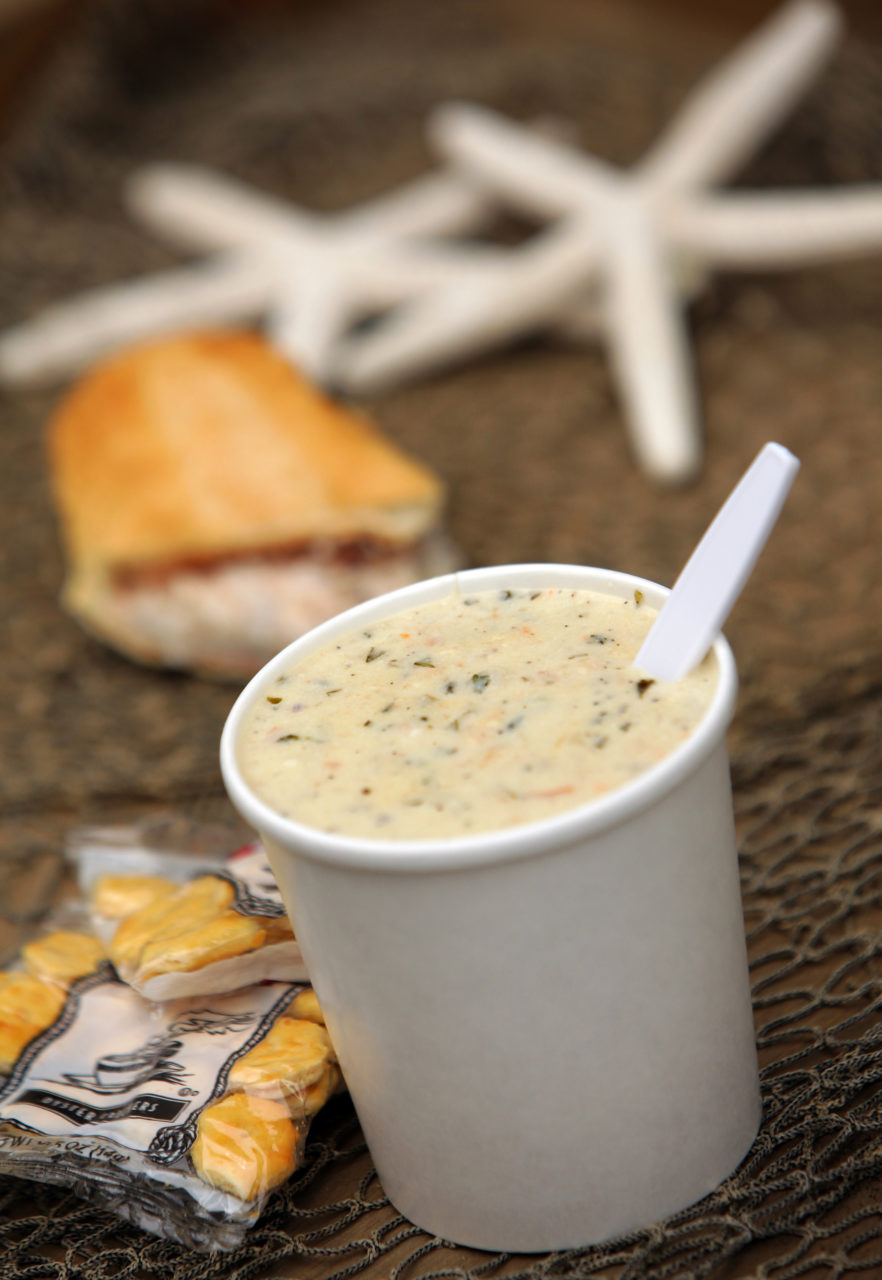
(181, 1117)
(177, 926)
(181, 1114)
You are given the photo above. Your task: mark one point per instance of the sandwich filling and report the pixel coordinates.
(229, 615)
(215, 504)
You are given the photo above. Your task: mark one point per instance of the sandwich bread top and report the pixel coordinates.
(212, 444)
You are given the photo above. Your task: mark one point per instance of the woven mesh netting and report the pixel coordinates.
(806, 1200)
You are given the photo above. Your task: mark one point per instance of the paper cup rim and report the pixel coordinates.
(507, 843)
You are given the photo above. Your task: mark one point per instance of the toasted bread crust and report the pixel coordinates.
(211, 444)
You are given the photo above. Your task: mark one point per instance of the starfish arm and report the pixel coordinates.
(742, 100)
(201, 210)
(538, 174)
(394, 273)
(69, 335)
(445, 203)
(649, 349)
(306, 323)
(474, 313)
(735, 230)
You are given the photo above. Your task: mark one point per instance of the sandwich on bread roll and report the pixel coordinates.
(214, 505)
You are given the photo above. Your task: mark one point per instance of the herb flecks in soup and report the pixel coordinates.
(475, 712)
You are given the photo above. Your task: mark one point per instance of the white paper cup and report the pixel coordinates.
(546, 1030)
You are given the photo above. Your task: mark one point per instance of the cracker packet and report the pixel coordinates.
(178, 924)
(180, 1116)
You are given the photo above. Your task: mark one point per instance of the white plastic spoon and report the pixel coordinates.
(714, 575)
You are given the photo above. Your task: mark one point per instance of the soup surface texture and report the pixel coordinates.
(475, 712)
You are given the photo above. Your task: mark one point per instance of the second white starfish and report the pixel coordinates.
(631, 247)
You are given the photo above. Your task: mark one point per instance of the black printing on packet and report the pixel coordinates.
(257, 893)
(63, 1080)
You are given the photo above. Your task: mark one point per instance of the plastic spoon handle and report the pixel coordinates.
(713, 577)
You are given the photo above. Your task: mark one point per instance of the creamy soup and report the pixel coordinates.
(475, 712)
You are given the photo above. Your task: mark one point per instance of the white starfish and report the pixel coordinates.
(310, 276)
(644, 239)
